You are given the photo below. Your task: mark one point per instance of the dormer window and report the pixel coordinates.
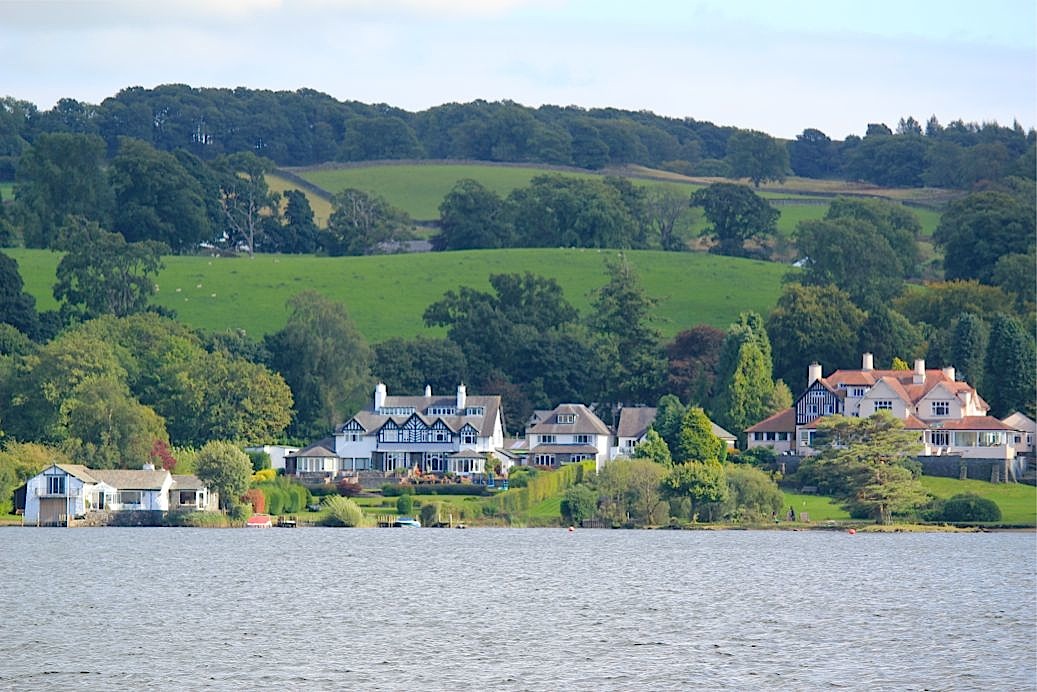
(941, 408)
(566, 418)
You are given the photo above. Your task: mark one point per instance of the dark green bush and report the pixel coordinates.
(969, 507)
(405, 504)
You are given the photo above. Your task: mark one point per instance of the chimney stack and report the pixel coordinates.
(949, 373)
(867, 362)
(813, 373)
(428, 391)
(462, 398)
(919, 374)
(379, 397)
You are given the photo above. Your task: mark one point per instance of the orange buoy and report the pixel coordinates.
(571, 529)
(852, 532)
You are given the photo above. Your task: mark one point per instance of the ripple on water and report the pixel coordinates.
(515, 610)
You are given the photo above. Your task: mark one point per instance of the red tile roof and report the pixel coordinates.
(971, 423)
(782, 421)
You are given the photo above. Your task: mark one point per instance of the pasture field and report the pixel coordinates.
(418, 189)
(386, 294)
(321, 207)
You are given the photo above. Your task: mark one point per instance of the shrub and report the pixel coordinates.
(520, 476)
(430, 513)
(239, 511)
(256, 498)
(970, 507)
(405, 504)
(264, 475)
(260, 461)
(274, 499)
(348, 488)
(579, 503)
(342, 511)
(757, 456)
(207, 520)
(753, 495)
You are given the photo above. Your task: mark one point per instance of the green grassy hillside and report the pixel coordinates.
(386, 295)
(418, 189)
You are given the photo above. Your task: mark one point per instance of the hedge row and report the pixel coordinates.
(395, 490)
(543, 486)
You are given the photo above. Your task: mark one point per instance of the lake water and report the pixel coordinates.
(515, 609)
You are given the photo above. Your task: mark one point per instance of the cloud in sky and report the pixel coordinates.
(777, 67)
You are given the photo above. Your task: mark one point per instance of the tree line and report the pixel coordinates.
(306, 127)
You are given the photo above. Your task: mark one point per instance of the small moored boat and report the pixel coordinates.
(409, 522)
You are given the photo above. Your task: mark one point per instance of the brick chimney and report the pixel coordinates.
(867, 362)
(379, 396)
(949, 373)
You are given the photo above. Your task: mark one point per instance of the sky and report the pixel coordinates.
(779, 66)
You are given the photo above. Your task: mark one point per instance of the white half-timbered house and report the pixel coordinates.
(455, 434)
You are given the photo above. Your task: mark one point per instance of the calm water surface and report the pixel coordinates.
(515, 609)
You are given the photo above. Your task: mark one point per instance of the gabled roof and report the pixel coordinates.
(78, 471)
(720, 432)
(322, 448)
(586, 422)
(136, 479)
(635, 421)
(370, 420)
(1020, 421)
(782, 421)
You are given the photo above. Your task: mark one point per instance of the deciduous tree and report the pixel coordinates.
(738, 215)
(224, 469)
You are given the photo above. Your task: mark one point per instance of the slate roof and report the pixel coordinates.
(79, 471)
(371, 421)
(586, 422)
(135, 479)
(188, 482)
(634, 421)
(322, 448)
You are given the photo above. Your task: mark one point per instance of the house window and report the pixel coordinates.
(884, 405)
(566, 417)
(758, 436)
(965, 439)
(629, 443)
(783, 437)
(545, 459)
(941, 438)
(582, 439)
(941, 408)
(547, 439)
(475, 411)
(395, 460)
(55, 485)
(857, 392)
(806, 438)
(130, 497)
(468, 438)
(441, 436)
(440, 411)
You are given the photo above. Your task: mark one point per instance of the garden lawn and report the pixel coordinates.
(386, 295)
(817, 507)
(1018, 501)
